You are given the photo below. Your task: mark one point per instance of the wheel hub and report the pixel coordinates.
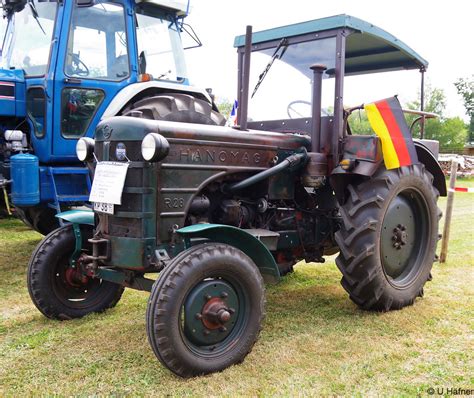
(210, 312)
(400, 236)
(75, 278)
(402, 233)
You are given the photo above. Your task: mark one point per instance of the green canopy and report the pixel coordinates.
(368, 48)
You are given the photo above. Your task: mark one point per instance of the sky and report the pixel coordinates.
(440, 31)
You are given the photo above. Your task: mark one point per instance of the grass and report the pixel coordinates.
(315, 340)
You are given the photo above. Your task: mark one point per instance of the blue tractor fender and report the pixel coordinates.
(240, 239)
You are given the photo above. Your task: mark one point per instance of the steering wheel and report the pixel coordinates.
(78, 67)
(290, 108)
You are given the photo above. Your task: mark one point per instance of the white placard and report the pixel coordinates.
(109, 179)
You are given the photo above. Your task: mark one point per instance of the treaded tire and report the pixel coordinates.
(176, 108)
(40, 218)
(165, 305)
(362, 240)
(48, 287)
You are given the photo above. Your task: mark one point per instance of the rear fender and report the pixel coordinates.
(240, 239)
(366, 153)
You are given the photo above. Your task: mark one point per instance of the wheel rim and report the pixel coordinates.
(213, 316)
(72, 287)
(404, 237)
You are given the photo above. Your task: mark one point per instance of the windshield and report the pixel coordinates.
(28, 44)
(286, 89)
(159, 44)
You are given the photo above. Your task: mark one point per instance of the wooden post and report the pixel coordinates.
(449, 212)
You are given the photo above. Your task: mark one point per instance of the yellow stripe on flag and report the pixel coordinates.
(378, 125)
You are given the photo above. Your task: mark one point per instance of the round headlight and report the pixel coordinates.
(85, 149)
(155, 147)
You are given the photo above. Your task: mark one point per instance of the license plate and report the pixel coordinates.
(107, 208)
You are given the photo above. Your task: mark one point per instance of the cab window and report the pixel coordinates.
(159, 45)
(97, 44)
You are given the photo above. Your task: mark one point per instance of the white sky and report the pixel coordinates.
(440, 31)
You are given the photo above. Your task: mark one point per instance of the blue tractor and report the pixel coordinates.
(67, 65)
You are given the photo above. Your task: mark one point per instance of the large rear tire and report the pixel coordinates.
(175, 108)
(41, 218)
(388, 238)
(60, 291)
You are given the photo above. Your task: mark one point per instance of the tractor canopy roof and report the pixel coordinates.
(369, 49)
(181, 7)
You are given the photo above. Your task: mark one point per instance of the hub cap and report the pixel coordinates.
(210, 312)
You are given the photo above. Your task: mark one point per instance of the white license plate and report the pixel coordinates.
(107, 208)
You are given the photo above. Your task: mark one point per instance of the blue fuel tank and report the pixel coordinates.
(25, 179)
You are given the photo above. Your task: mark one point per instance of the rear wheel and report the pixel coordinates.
(175, 108)
(60, 291)
(388, 238)
(205, 311)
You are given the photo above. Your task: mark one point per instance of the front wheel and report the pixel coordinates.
(60, 291)
(388, 238)
(205, 311)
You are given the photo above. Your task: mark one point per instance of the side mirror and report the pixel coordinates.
(142, 63)
(12, 6)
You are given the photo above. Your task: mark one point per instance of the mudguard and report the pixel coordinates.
(77, 216)
(366, 151)
(240, 239)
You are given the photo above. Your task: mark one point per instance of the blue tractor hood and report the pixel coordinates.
(12, 93)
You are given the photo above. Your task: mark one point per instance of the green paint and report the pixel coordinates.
(130, 252)
(77, 216)
(364, 33)
(240, 239)
(78, 245)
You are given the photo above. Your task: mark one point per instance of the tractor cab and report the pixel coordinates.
(65, 66)
(75, 57)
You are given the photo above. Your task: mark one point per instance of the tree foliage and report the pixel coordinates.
(465, 87)
(450, 132)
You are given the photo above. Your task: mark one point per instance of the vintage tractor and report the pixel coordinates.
(217, 210)
(65, 65)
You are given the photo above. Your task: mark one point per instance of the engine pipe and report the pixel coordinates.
(318, 71)
(291, 161)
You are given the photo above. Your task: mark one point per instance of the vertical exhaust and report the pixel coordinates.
(244, 97)
(318, 71)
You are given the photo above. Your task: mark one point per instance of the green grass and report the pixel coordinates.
(315, 340)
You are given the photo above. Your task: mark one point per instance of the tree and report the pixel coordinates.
(465, 87)
(225, 107)
(450, 132)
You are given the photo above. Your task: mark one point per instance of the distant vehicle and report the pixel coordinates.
(65, 66)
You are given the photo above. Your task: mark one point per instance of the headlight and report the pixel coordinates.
(155, 147)
(85, 149)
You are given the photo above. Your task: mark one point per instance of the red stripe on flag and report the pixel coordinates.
(395, 133)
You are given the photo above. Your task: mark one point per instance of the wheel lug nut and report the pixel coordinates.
(206, 332)
(198, 316)
(222, 329)
(224, 295)
(207, 297)
(231, 310)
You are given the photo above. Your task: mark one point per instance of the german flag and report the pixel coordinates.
(387, 120)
